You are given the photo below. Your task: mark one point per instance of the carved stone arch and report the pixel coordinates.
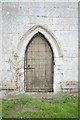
(26, 38)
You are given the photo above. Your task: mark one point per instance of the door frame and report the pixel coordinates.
(56, 48)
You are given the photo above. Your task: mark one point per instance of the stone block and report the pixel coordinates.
(75, 1)
(66, 4)
(65, 21)
(66, 12)
(70, 86)
(74, 27)
(67, 36)
(69, 72)
(8, 86)
(49, 5)
(14, 9)
(73, 4)
(61, 4)
(41, 12)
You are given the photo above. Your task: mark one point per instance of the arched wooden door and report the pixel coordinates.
(38, 65)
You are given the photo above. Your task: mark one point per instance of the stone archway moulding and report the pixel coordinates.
(48, 35)
(55, 47)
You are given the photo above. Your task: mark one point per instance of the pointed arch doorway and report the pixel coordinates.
(38, 65)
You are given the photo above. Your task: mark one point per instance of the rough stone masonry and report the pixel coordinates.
(58, 21)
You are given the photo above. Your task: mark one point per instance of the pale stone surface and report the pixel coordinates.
(60, 19)
(40, 1)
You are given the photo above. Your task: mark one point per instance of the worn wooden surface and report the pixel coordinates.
(38, 65)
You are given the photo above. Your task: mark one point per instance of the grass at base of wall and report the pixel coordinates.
(66, 107)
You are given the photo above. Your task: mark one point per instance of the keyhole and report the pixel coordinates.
(28, 66)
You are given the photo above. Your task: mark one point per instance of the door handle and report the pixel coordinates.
(28, 67)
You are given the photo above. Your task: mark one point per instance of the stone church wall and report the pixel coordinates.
(59, 18)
